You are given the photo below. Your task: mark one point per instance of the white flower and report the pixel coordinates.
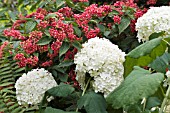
(30, 87)
(156, 20)
(167, 109)
(168, 74)
(106, 83)
(103, 61)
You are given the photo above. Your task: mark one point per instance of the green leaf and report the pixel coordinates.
(156, 35)
(54, 72)
(50, 15)
(44, 41)
(3, 38)
(53, 110)
(64, 48)
(93, 103)
(47, 33)
(63, 77)
(125, 22)
(101, 27)
(66, 63)
(61, 70)
(134, 108)
(114, 12)
(77, 31)
(106, 33)
(29, 26)
(12, 15)
(161, 63)
(77, 45)
(144, 54)
(153, 102)
(62, 90)
(16, 44)
(59, 3)
(145, 48)
(138, 85)
(70, 3)
(35, 5)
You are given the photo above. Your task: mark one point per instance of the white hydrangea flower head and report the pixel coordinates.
(103, 61)
(30, 87)
(156, 20)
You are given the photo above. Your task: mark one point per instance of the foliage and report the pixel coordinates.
(160, 64)
(140, 83)
(93, 103)
(63, 90)
(48, 33)
(148, 52)
(9, 72)
(52, 110)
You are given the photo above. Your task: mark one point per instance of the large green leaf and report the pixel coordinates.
(145, 48)
(161, 63)
(144, 54)
(125, 22)
(93, 103)
(138, 85)
(53, 110)
(62, 90)
(64, 48)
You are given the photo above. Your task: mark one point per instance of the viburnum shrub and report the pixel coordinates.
(42, 33)
(40, 42)
(86, 58)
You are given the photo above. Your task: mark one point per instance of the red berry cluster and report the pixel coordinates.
(2, 47)
(84, 18)
(54, 26)
(72, 76)
(131, 4)
(23, 61)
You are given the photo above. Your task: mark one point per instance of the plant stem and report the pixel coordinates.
(162, 90)
(165, 100)
(166, 42)
(144, 104)
(84, 90)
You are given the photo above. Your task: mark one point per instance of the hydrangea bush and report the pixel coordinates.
(86, 58)
(103, 61)
(151, 23)
(31, 87)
